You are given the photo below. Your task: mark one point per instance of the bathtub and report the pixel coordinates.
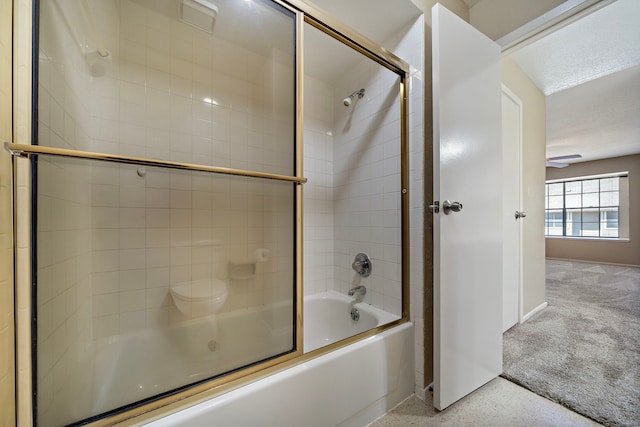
(115, 371)
(351, 386)
(328, 319)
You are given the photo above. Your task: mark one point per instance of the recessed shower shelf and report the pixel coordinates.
(242, 271)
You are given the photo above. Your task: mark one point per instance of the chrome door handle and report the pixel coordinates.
(520, 214)
(448, 207)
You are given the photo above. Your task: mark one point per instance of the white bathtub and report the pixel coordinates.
(122, 369)
(328, 319)
(350, 386)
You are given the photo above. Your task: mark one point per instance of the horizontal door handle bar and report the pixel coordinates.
(23, 150)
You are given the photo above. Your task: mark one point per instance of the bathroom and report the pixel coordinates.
(122, 240)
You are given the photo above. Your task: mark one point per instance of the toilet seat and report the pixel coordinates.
(199, 298)
(200, 290)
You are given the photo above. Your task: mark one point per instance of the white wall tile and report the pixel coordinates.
(132, 217)
(105, 304)
(158, 277)
(132, 259)
(158, 257)
(132, 238)
(132, 321)
(132, 301)
(130, 280)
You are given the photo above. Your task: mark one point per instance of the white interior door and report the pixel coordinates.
(467, 244)
(512, 213)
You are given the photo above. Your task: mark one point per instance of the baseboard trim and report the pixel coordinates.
(592, 262)
(533, 312)
(422, 393)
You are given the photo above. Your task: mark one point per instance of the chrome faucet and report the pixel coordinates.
(358, 290)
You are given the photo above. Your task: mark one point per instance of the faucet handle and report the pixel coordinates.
(358, 266)
(362, 265)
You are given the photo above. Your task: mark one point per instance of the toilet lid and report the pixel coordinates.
(198, 290)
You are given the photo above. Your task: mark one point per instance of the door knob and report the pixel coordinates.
(520, 214)
(448, 207)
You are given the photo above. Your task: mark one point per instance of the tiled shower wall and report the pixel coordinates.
(352, 199)
(63, 294)
(112, 239)
(167, 94)
(344, 149)
(367, 184)
(125, 238)
(318, 191)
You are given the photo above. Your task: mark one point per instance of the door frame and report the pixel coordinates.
(520, 285)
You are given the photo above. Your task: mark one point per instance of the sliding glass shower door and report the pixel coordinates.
(170, 258)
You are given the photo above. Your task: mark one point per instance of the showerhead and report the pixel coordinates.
(359, 93)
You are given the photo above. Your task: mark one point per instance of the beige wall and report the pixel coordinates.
(7, 360)
(607, 251)
(533, 177)
(497, 18)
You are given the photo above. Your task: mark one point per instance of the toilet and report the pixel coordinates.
(199, 298)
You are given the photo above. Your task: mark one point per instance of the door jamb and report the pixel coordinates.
(509, 93)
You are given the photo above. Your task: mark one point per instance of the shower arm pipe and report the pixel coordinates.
(24, 150)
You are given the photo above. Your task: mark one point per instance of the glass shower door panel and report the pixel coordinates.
(149, 280)
(353, 143)
(147, 80)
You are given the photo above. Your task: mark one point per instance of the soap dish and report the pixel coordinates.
(242, 271)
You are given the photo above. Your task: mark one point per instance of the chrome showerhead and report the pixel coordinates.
(359, 93)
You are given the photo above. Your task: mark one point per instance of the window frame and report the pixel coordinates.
(567, 229)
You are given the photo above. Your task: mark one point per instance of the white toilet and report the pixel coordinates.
(199, 298)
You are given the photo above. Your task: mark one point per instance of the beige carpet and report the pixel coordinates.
(583, 350)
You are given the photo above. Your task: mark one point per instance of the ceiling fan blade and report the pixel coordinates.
(567, 157)
(557, 165)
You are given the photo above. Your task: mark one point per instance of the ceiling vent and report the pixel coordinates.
(199, 13)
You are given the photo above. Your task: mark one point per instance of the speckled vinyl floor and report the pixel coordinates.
(499, 403)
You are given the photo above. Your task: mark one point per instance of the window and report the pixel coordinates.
(587, 206)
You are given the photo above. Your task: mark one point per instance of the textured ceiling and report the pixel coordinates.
(590, 72)
(599, 44)
(598, 119)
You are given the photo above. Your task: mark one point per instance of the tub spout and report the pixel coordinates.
(358, 290)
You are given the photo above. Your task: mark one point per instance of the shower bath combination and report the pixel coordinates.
(349, 99)
(218, 289)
